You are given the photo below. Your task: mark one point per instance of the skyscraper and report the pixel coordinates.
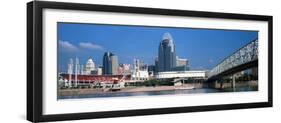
(106, 69)
(166, 54)
(114, 64)
(110, 64)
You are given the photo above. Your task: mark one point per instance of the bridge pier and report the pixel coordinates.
(233, 81)
(219, 82)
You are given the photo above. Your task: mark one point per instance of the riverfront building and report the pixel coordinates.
(140, 71)
(181, 74)
(97, 71)
(182, 65)
(124, 69)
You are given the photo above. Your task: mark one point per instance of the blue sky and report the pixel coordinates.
(204, 48)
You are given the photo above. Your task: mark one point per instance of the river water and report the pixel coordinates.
(166, 92)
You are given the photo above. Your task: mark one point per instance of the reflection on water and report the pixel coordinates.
(166, 92)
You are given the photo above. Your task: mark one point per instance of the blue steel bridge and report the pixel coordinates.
(244, 58)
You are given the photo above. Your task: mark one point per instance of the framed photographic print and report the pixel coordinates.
(96, 61)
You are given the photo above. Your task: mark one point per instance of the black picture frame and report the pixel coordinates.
(35, 69)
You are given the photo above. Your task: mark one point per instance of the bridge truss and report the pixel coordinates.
(245, 54)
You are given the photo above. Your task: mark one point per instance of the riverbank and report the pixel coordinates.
(70, 92)
(88, 91)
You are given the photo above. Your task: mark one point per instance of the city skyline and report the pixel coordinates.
(199, 46)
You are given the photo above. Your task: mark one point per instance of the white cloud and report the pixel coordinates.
(68, 46)
(88, 45)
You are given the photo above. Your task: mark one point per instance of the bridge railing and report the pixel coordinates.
(244, 55)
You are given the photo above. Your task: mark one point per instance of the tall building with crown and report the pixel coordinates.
(166, 54)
